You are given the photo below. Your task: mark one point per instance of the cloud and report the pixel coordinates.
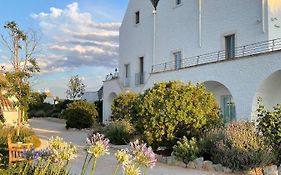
(74, 39)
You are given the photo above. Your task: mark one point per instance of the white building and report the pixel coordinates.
(91, 96)
(232, 46)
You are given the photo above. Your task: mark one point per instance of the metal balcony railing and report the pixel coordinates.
(243, 51)
(139, 78)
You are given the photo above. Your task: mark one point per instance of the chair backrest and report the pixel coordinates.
(9, 138)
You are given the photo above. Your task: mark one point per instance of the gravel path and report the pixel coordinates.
(105, 166)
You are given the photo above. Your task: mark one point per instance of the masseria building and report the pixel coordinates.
(232, 46)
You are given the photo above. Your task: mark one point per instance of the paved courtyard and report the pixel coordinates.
(45, 129)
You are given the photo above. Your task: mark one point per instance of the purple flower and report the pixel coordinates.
(36, 154)
(142, 154)
(98, 145)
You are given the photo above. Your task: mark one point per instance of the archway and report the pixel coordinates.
(224, 99)
(269, 91)
(109, 101)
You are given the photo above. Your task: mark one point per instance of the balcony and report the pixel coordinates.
(112, 76)
(219, 56)
(139, 78)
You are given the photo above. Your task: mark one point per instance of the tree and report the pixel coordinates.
(76, 88)
(22, 46)
(171, 110)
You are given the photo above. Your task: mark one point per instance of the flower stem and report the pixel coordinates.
(94, 166)
(116, 169)
(86, 165)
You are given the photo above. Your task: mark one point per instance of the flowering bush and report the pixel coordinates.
(186, 150)
(269, 124)
(239, 147)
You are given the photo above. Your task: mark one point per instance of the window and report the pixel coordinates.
(126, 70)
(178, 60)
(137, 17)
(141, 74)
(228, 108)
(178, 2)
(141, 64)
(230, 46)
(127, 75)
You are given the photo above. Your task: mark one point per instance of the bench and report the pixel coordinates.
(16, 150)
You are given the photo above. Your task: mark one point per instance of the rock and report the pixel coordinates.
(218, 167)
(208, 166)
(191, 165)
(170, 160)
(279, 170)
(227, 170)
(270, 170)
(180, 164)
(198, 163)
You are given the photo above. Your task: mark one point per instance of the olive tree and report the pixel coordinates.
(170, 110)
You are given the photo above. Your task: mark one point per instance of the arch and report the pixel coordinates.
(107, 103)
(224, 99)
(269, 91)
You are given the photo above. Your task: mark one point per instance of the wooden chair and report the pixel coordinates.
(16, 150)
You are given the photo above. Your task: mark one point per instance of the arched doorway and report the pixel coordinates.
(269, 91)
(109, 101)
(224, 99)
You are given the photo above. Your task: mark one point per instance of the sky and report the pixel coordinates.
(75, 38)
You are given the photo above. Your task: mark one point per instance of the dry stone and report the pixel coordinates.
(191, 165)
(198, 163)
(208, 166)
(218, 167)
(227, 170)
(270, 170)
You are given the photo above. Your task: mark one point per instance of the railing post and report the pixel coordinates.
(165, 67)
(198, 57)
(244, 47)
(152, 69)
(218, 56)
(273, 44)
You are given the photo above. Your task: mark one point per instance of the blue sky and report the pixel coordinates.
(76, 37)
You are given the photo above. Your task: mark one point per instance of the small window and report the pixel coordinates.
(141, 65)
(137, 17)
(126, 70)
(178, 59)
(230, 46)
(178, 2)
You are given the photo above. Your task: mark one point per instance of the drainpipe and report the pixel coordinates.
(263, 16)
(200, 22)
(154, 38)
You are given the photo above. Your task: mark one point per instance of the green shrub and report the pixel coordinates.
(119, 132)
(123, 106)
(239, 147)
(80, 114)
(269, 124)
(186, 150)
(99, 106)
(171, 110)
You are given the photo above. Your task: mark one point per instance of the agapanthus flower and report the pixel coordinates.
(98, 145)
(61, 150)
(123, 156)
(131, 169)
(142, 154)
(36, 154)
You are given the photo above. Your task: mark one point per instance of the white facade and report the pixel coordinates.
(90, 96)
(195, 28)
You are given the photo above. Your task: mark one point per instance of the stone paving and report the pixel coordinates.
(45, 129)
